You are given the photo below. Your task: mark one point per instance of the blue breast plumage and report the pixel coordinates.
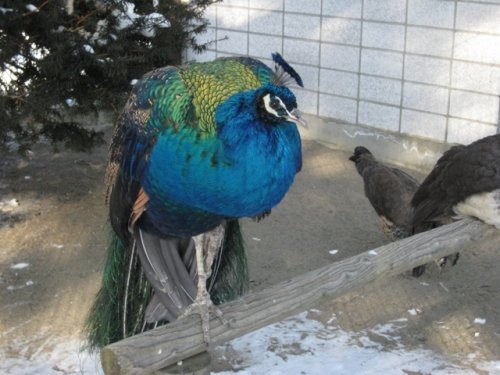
(201, 159)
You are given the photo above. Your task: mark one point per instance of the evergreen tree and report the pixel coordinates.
(63, 57)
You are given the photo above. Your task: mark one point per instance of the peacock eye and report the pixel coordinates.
(275, 103)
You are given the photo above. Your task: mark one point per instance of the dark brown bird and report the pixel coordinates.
(389, 191)
(464, 182)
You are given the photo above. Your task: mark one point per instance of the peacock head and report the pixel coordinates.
(277, 104)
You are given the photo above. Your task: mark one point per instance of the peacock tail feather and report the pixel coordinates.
(118, 311)
(119, 308)
(230, 267)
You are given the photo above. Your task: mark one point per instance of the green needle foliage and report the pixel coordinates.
(57, 62)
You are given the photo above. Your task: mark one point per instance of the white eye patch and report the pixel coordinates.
(273, 107)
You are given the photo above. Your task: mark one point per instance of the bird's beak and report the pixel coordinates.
(296, 117)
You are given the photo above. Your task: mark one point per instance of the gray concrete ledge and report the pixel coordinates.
(396, 148)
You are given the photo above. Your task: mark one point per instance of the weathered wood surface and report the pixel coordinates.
(158, 348)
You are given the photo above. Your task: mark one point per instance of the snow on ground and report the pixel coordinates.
(65, 358)
(299, 345)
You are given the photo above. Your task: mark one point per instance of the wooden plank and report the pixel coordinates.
(158, 348)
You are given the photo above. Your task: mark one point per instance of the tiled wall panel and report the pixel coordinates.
(429, 68)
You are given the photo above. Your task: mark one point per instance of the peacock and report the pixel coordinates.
(464, 182)
(389, 190)
(196, 148)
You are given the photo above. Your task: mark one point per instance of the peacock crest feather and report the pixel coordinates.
(284, 74)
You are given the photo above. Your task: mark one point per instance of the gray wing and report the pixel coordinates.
(170, 266)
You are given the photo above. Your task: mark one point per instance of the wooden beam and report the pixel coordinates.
(161, 347)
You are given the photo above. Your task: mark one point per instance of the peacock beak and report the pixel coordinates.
(296, 117)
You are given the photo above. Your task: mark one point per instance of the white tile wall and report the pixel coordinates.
(301, 51)
(266, 4)
(294, 26)
(308, 100)
(381, 90)
(304, 7)
(232, 18)
(478, 17)
(435, 13)
(340, 57)
(430, 68)
(476, 77)
(340, 30)
(422, 124)
(309, 75)
(379, 116)
(383, 35)
(425, 41)
(211, 16)
(387, 10)
(339, 83)
(382, 63)
(266, 22)
(241, 3)
(427, 70)
(208, 36)
(336, 107)
(263, 45)
(477, 47)
(466, 131)
(425, 98)
(232, 41)
(472, 106)
(342, 8)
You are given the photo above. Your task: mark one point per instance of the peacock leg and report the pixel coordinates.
(207, 246)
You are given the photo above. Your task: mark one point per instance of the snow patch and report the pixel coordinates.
(32, 8)
(9, 204)
(479, 321)
(304, 346)
(19, 266)
(5, 10)
(414, 311)
(65, 358)
(12, 288)
(372, 252)
(333, 252)
(88, 48)
(150, 21)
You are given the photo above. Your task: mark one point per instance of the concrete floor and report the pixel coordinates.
(59, 229)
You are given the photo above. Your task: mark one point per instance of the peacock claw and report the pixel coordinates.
(205, 306)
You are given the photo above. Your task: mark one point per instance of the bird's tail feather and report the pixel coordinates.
(126, 304)
(229, 278)
(119, 308)
(170, 266)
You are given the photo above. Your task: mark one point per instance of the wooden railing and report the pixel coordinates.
(161, 347)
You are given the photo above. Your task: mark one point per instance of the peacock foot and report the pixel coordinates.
(203, 306)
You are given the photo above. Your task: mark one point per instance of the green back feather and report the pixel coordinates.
(189, 95)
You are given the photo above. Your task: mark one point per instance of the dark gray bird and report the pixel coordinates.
(464, 182)
(389, 191)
